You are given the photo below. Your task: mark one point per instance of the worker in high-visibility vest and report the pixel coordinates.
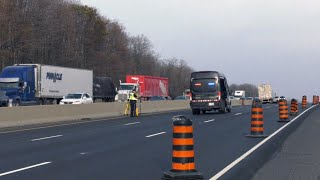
(133, 98)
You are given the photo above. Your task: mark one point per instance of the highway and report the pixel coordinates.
(127, 148)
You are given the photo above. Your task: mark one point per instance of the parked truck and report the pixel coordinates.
(30, 84)
(146, 86)
(265, 93)
(104, 89)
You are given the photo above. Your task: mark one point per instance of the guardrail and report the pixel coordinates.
(29, 115)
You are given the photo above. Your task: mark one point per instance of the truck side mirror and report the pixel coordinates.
(25, 84)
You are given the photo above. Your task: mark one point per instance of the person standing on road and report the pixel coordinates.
(133, 97)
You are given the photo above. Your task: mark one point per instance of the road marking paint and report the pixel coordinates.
(238, 114)
(155, 134)
(25, 168)
(50, 137)
(209, 121)
(226, 169)
(132, 123)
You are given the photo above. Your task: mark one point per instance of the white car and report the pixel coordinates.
(276, 99)
(77, 98)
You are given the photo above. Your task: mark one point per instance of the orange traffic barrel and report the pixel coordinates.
(294, 107)
(317, 99)
(314, 100)
(256, 130)
(283, 111)
(304, 102)
(183, 161)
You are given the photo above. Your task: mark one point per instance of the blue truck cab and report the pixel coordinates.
(18, 83)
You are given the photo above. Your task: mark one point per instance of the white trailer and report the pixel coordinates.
(56, 82)
(265, 93)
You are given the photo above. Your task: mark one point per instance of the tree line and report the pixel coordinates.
(69, 34)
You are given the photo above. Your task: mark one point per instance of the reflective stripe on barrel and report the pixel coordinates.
(304, 101)
(257, 121)
(183, 150)
(283, 110)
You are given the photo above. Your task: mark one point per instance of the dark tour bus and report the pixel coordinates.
(209, 91)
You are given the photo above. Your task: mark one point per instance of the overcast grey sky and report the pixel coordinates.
(251, 41)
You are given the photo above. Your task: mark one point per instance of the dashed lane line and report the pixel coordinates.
(211, 120)
(155, 134)
(128, 124)
(44, 138)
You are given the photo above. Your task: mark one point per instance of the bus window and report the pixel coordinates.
(204, 85)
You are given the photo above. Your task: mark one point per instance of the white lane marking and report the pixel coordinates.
(155, 134)
(25, 168)
(39, 139)
(226, 169)
(132, 123)
(209, 121)
(238, 114)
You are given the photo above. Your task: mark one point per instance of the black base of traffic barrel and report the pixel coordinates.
(293, 114)
(257, 135)
(284, 120)
(178, 175)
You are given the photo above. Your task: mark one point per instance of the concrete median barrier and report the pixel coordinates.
(30, 115)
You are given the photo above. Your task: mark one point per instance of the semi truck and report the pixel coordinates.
(104, 89)
(146, 86)
(31, 84)
(265, 93)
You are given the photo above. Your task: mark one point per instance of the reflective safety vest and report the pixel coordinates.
(132, 98)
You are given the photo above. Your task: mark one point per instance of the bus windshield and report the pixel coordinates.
(204, 86)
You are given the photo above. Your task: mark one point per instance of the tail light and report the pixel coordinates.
(219, 95)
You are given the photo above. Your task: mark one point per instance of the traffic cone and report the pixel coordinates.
(257, 130)
(183, 165)
(304, 102)
(314, 100)
(283, 111)
(294, 107)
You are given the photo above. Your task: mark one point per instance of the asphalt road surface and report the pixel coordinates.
(127, 148)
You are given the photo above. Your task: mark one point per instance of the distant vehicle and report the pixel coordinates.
(187, 94)
(239, 94)
(31, 84)
(249, 98)
(265, 93)
(104, 89)
(157, 98)
(77, 98)
(276, 99)
(231, 97)
(282, 98)
(146, 86)
(181, 98)
(210, 91)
